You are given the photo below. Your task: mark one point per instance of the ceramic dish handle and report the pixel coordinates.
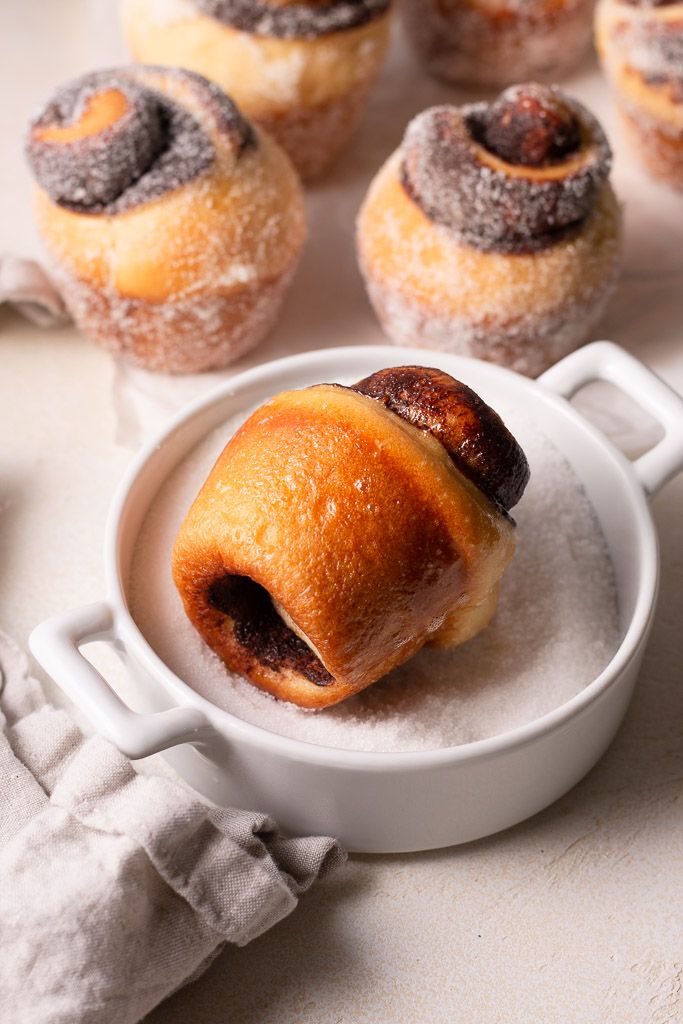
(603, 360)
(55, 644)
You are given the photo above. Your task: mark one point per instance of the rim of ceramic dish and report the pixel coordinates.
(637, 630)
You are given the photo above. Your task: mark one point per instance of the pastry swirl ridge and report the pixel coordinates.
(507, 201)
(293, 20)
(109, 141)
(475, 437)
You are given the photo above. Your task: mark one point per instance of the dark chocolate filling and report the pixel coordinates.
(528, 127)
(293, 21)
(261, 632)
(117, 170)
(475, 438)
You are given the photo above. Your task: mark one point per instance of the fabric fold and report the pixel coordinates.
(26, 286)
(116, 888)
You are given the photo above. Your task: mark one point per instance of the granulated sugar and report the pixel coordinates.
(554, 631)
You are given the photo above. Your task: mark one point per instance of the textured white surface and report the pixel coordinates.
(571, 918)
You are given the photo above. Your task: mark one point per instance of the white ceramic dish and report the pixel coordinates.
(384, 802)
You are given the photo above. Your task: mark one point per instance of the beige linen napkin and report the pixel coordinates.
(117, 888)
(26, 286)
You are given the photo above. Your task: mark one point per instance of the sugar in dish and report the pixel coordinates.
(555, 629)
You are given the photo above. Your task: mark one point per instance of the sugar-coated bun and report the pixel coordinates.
(493, 231)
(337, 534)
(175, 226)
(640, 46)
(498, 42)
(303, 71)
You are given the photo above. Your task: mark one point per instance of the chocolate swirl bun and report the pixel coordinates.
(498, 42)
(336, 535)
(301, 70)
(174, 225)
(493, 231)
(640, 46)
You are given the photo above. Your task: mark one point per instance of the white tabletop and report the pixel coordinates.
(573, 916)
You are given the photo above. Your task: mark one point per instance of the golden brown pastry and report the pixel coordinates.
(302, 70)
(175, 227)
(342, 529)
(493, 231)
(640, 46)
(498, 42)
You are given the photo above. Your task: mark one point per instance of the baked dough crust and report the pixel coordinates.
(357, 525)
